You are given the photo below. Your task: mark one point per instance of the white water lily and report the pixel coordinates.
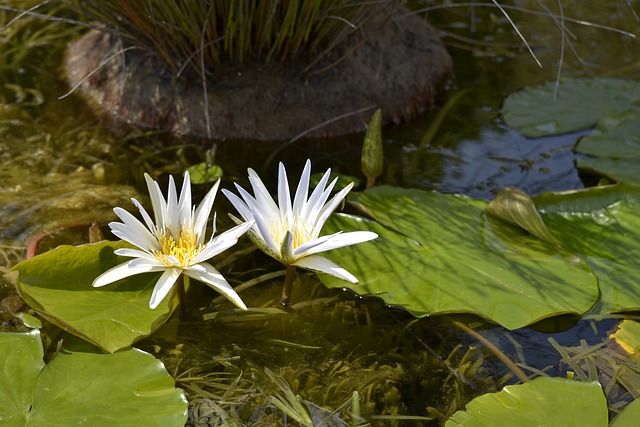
(290, 232)
(175, 244)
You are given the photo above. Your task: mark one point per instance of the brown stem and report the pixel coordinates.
(182, 294)
(288, 285)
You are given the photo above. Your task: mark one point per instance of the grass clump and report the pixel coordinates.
(203, 35)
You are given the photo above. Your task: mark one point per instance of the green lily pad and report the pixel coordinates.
(57, 284)
(613, 148)
(540, 402)
(601, 225)
(440, 253)
(629, 416)
(83, 386)
(203, 173)
(21, 361)
(577, 104)
(628, 336)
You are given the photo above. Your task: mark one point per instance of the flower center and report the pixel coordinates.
(300, 230)
(181, 252)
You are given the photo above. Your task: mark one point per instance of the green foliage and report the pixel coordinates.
(81, 385)
(516, 207)
(629, 416)
(21, 360)
(57, 284)
(540, 402)
(440, 254)
(27, 40)
(613, 148)
(372, 155)
(628, 336)
(575, 105)
(203, 34)
(601, 225)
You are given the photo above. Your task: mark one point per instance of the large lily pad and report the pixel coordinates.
(540, 402)
(629, 416)
(21, 361)
(577, 104)
(440, 253)
(601, 225)
(82, 386)
(628, 336)
(613, 149)
(57, 284)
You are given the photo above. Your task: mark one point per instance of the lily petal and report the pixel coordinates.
(265, 233)
(241, 207)
(304, 248)
(133, 231)
(300, 199)
(172, 219)
(318, 197)
(261, 193)
(340, 240)
(286, 248)
(331, 206)
(119, 272)
(158, 203)
(321, 264)
(222, 242)
(184, 201)
(214, 279)
(133, 253)
(163, 286)
(284, 197)
(204, 210)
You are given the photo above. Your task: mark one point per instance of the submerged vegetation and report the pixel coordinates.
(332, 357)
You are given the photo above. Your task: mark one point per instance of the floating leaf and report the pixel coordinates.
(602, 226)
(628, 336)
(203, 173)
(83, 386)
(57, 284)
(439, 253)
(516, 207)
(541, 402)
(613, 149)
(21, 361)
(629, 416)
(577, 104)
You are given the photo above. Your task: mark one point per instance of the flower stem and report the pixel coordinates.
(182, 294)
(288, 285)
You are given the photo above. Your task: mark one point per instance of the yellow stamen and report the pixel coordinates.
(300, 230)
(184, 250)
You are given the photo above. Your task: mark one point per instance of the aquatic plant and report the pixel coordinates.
(202, 35)
(290, 233)
(175, 244)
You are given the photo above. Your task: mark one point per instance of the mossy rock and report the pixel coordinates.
(394, 61)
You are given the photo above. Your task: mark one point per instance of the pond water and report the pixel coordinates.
(61, 165)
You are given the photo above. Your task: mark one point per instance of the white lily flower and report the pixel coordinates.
(290, 232)
(175, 244)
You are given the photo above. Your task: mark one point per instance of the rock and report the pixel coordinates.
(395, 62)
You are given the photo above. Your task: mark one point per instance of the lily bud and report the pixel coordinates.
(372, 156)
